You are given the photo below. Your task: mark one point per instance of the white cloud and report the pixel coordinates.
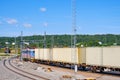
(43, 9)
(27, 25)
(11, 21)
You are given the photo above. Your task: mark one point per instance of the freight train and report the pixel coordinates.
(95, 59)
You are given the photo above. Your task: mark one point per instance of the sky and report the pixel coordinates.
(34, 17)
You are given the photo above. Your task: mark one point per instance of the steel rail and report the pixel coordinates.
(17, 69)
(4, 63)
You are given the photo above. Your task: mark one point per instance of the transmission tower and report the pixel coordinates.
(74, 32)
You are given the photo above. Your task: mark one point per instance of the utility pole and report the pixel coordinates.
(44, 44)
(16, 51)
(52, 46)
(21, 45)
(45, 39)
(74, 32)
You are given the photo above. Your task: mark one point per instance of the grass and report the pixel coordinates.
(4, 54)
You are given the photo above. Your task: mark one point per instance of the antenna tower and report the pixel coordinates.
(74, 31)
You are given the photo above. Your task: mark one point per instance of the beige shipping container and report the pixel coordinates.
(68, 55)
(111, 56)
(99, 56)
(37, 53)
(82, 55)
(42, 53)
(103, 56)
(93, 55)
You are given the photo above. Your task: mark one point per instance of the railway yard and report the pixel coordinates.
(13, 69)
(62, 40)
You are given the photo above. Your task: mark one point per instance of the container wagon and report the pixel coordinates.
(95, 59)
(103, 59)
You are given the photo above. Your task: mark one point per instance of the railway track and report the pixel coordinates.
(97, 76)
(31, 76)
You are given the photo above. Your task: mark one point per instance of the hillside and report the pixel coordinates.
(64, 40)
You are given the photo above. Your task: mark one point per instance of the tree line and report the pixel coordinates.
(65, 40)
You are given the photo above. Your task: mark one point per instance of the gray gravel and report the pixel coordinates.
(55, 75)
(5, 74)
(37, 69)
(34, 68)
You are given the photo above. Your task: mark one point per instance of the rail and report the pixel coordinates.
(20, 72)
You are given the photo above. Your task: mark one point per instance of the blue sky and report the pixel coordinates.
(33, 17)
